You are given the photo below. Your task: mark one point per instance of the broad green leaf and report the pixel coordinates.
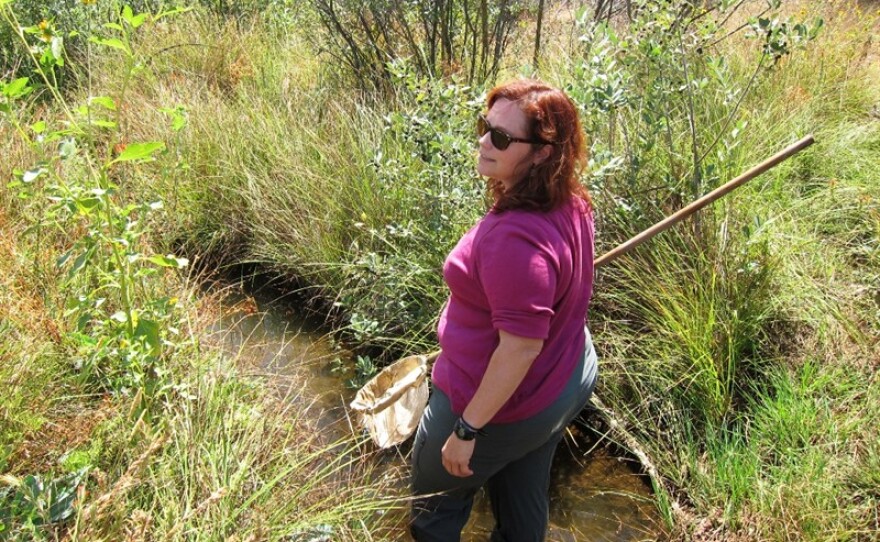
(17, 88)
(103, 101)
(168, 261)
(139, 151)
(178, 116)
(31, 175)
(67, 148)
(111, 42)
(138, 20)
(34, 484)
(58, 49)
(85, 340)
(85, 205)
(128, 209)
(114, 26)
(815, 30)
(39, 127)
(104, 123)
(53, 136)
(4, 2)
(133, 20)
(171, 12)
(148, 330)
(80, 262)
(63, 258)
(63, 493)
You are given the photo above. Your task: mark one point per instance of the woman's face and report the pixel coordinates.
(510, 165)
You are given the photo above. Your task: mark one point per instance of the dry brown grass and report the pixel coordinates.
(65, 429)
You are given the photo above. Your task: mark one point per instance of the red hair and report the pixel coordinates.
(551, 117)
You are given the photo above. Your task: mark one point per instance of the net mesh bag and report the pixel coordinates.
(390, 405)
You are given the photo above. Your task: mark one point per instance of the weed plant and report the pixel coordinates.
(726, 342)
(362, 200)
(108, 394)
(358, 200)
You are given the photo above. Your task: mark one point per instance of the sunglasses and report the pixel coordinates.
(500, 139)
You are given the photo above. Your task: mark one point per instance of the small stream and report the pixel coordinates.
(594, 496)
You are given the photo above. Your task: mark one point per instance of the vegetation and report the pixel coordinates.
(740, 349)
(119, 422)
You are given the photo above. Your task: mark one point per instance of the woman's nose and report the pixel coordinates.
(486, 140)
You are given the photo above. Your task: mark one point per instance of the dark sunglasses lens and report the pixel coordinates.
(499, 140)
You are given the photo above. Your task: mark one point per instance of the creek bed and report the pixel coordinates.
(595, 496)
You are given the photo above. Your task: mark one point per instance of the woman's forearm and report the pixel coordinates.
(507, 368)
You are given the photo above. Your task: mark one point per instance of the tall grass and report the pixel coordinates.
(181, 442)
(28, 356)
(239, 462)
(697, 319)
(354, 198)
(700, 331)
(232, 458)
(747, 364)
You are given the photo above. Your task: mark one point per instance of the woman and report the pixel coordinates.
(517, 364)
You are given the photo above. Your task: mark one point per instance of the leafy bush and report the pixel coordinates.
(661, 102)
(392, 281)
(117, 341)
(29, 507)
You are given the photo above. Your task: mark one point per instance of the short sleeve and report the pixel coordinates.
(518, 277)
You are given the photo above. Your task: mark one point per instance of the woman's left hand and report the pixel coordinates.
(456, 456)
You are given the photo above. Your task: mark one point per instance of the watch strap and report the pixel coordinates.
(466, 431)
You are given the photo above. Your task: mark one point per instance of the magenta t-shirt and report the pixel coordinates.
(530, 274)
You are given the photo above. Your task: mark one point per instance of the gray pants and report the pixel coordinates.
(512, 460)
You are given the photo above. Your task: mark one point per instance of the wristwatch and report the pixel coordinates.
(464, 431)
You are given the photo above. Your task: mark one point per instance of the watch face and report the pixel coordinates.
(462, 432)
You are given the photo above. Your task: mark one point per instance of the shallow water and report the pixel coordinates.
(594, 496)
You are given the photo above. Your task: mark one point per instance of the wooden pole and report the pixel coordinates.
(675, 218)
(617, 426)
(718, 193)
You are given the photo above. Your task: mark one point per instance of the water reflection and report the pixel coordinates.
(292, 354)
(594, 497)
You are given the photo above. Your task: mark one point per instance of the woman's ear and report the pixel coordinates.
(542, 154)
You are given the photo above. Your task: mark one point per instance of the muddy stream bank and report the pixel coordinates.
(595, 496)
